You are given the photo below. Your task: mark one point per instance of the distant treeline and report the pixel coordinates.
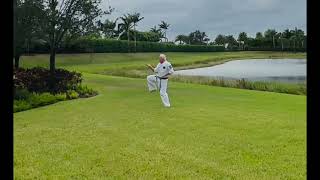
(288, 40)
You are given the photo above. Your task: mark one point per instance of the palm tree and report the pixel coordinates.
(259, 35)
(155, 30)
(280, 35)
(108, 27)
(204, 38)
(135, 19)
(298, 35)
(158, 31)
(179, 38)
(183, 38)
(242, 38)
(271, 34)
(164, 26)
(125, 26)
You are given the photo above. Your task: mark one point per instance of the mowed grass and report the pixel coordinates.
(125, 133)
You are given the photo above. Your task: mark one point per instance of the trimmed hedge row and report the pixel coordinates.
(90, 45)
(276, 49)
(104, 45)
(121, 46)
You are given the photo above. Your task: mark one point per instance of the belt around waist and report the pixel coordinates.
(161, 77)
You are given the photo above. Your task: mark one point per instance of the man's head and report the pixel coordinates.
(162, 58)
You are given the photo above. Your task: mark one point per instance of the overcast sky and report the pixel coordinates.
(214, 16)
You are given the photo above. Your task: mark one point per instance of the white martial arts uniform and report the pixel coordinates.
(157, 81)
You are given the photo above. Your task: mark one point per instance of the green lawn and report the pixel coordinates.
(125, 133)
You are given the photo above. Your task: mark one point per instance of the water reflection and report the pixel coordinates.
(281, 70)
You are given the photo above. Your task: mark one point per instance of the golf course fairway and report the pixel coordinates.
(126, 133)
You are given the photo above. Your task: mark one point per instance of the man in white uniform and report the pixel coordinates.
(160, 79)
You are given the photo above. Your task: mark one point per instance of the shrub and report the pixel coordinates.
(72, 94)
(84, 91)
(34, 100)
(21, 94)
(42, 99)
(61, 96)
(40, 79)
(21, 105)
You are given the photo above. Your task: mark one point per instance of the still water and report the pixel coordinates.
(281, 70)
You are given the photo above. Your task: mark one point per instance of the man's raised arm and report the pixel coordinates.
(150, 67)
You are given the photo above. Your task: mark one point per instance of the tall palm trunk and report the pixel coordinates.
(128, 34)
(274, 46)
(135, 38)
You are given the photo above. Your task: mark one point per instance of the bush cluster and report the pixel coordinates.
(41, 80)
(33, 87)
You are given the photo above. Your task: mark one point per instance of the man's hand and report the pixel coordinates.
(150, 66)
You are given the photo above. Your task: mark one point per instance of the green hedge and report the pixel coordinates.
(276, 49)
(121, 46)
(105, 45)
(90, 45)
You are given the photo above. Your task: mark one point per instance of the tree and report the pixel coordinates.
(148, 36)
(179, 38)
(204, 38)
(220, 39)
(165, 27)
(198, 37)
(92, 32)
(242, 38)
(185, 39)
(287, 34)
(155, 30)
(125, 27)
(230, 40)
(182, 39)
(26, 26)
(75, 16)
(259, 35)
(280, 35)
(135, 19)
(300, 36)
(297, 36)
(158, 31)
(108, 28)
(270, 35)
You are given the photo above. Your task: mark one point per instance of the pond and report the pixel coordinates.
(280, 70)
